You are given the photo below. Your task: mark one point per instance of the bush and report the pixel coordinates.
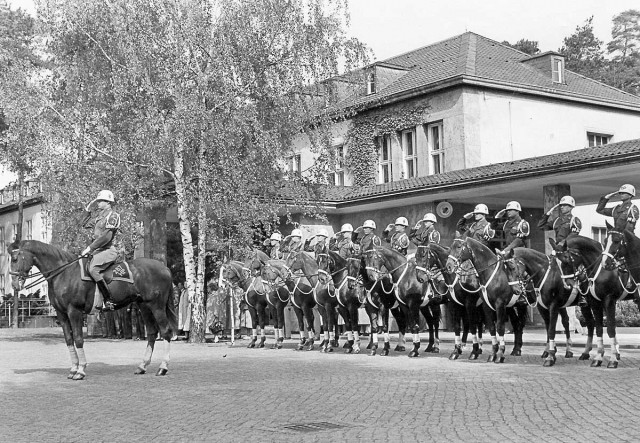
(627, 314)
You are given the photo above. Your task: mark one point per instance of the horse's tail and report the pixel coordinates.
(172, 313)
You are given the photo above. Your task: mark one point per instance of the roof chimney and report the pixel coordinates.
(550, 63)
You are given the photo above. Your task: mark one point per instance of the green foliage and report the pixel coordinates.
(361, 148)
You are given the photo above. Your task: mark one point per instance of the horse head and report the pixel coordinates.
(325, 264)
(233, 273)
(572, 262)
(513, 266)
(615, 247)
(374, 261)
(254, 262)
(354, 268)
(275, 269)
(22, 261)
(458, 253)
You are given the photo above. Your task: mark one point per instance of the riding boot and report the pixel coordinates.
(106, 295)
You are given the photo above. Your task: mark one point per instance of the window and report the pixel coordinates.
(436, 148)
(295, 165)
(386, 170)
(338, 179)
(597, 139)
(2, 283)
(44, 228)
(556, 70)
(599, 234)
(409, 152)
(15, 231)
(371, 83)
(3, 245)
(29, 234)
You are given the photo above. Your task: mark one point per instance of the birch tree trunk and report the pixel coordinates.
(18, 239)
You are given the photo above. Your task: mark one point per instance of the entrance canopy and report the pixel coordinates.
(590, 173)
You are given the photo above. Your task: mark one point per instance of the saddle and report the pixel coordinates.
(117, 271)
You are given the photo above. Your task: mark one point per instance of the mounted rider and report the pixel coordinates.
(105, 224)
(273, 244)
(343, 243)
(293, 243)
(516, 229)
(366, 238)
(625, 215)
(480, 229)
(321, 241)
(425, 232)
(399, 240)
(563, 225)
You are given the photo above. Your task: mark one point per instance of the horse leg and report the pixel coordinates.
(551, 333)
(470, 312)
(254, 327)
(517, 315)
(501, 315)
(68, 338)
(307, 309)
(152, 333)
(544, 313)
(598, 314)
(373, 320)
(589, 319)
(348, 345)
(353, 314)
(330, 323)
(75, 321)
(401, 314)
(567, 332)
(303, 334)
(457, 347)
(436, 314)
(610, 305)
(414, 322)
(491, 322)
(262, 322)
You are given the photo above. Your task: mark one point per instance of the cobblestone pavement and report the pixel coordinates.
(214, 392)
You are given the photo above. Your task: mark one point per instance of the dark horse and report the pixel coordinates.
(531, 269)
(409, 292)
(465, 305)
(348, 295)
(495, 290)
(72, 297)
(380, 300)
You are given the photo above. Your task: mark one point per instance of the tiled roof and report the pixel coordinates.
(607, 155)
(472, 57)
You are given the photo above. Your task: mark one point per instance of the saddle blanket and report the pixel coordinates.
(116, 272)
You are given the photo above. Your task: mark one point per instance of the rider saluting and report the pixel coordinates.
(425, 232)
(366, 237)
(516, 230)
(105, 224)
(399, 240)
(343, 243)
(565, 223)
(480, 228)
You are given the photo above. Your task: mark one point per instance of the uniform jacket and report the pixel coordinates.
(625, 215)
(343, 246)
(516, 232)
(562, 225)
(368, 241)
(478, 230)
(105, 225)
(398, 241)
(422, 236)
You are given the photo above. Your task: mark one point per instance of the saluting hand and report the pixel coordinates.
(85, 251)
(500, 213)
(88, 208)
(468, 215)
(608, 196)
(550, 211)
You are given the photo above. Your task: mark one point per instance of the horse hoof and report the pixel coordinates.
(548, 362)
(140, 371)
(491, 358)
(78, 376)
(545, 354)
(346, 345)
(454, 355)
(71, 374)
(161, 372)
(252, 345)
(279, 346)
(584, 356)
(370, 345)
(435, 350)
(596, 363)
(473, 356)
(568, 354)
(384, 352)
(500, 359)
(335, 343)
(516, 352)
(300, 348)
(348, 351)
(617, 356)
(399, 348)
(413, 354)
(612, 365)
(429, 348)
(273, 346)
(310, 348)
(328, 349)
(373, 352)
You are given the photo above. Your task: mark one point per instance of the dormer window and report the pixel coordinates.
(557, 71)
(371, 83)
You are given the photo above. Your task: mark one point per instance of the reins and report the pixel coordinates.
(44, 275)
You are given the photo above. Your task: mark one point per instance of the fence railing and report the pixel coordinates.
(26, 308)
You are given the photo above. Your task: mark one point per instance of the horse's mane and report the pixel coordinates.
(393, 252)
(261, 255)
(439, 248)
(480, 246)
(584, 242)
(38, 248)
(336, 257)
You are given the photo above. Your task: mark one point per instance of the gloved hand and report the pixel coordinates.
(88, 207)
(550, 211)
(468, 215)
(608, 196)
(390, 227)
(500, 213)
(85, 251)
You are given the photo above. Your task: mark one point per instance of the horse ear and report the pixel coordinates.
(553, 244)
(608, 225)
(508, 254)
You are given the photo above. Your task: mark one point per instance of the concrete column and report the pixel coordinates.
(551, 195)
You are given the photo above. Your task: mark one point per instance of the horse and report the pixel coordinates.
(496, 293)
(325, 300)
(278, 297)
(245, 276)
(465, 304)
(600, 282)
(72, 298)
(301, 297)
(380, 299)
(349, 296)
(530, 268)
(408, 291)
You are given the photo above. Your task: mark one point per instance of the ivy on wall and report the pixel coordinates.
(361, 156)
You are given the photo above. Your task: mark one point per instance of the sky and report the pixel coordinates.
(391, 28)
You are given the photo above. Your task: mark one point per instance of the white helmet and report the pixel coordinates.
(106, 196)
(481, 209)
(629, 189)
(322, 233)
(513, 205)
(276, 236)
(347, 228)
(369, 224)
(296, 233)
(567, 200)
(430, 217)
(401, 221)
